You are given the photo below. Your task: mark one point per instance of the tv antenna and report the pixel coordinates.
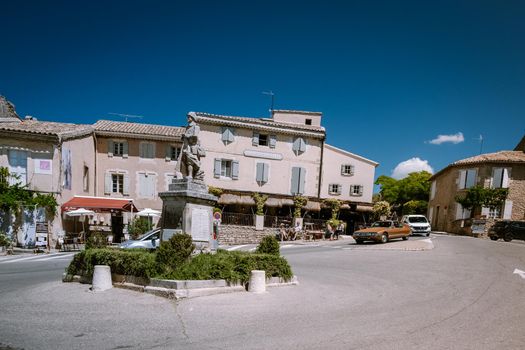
(270, 93)
(480, 140)
(126, 116)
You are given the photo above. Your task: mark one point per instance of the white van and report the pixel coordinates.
(418, 224)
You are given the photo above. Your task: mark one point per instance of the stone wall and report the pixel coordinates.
(233, 234)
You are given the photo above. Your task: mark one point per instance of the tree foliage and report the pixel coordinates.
(412, 190)
(334, 205)
(299, 202)
(381, 208)
(478, 196)
(260, 200)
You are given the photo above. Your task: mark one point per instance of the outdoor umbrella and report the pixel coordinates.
(149, 213)
(80, 212)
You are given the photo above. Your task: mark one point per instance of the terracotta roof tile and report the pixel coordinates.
(502, 156)
(109, 127)
(62, 130)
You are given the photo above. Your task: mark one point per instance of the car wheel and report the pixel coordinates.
(358, 241)
(404, 238)
(428, 234)
(384, 238)
(494, 238)
(508, 237)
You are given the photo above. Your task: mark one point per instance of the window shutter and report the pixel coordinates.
(302, 179)
(273, 141)
(217, 168)
(168, 153)
(142, 185)
(110, 148)
(339, 188)
(461, 179)
(352, 190)
(152, 182)
(125, 190)
(459, 211)
(505, 178)
(361, 190)
(507, 210)
(295, 181)
(235, 169)
(125, 149)
(352, 169)
(485, 211)
(343, 171)
(471, 178)
(107, 183)
(302, 145)
(259, 172)
(266, 169)
(295, 146)
(255, 139)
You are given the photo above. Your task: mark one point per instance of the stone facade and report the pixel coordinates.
(445, 214)
(233, 234)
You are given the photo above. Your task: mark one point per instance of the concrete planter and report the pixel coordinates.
(298, 221)
(259, 222)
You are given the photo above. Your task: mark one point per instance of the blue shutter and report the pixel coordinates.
(255, 139)
(295, 181)
(295, 146)
(217, 168)
(126, 185)
(108, 184)
(235, 169)
(230, 135)
(168, 153)
(266, 169)
(259, 172)
(302, 145)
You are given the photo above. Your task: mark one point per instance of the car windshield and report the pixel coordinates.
(146, 235)
(417, 219)
(382, 224)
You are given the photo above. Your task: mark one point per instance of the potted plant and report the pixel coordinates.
(260, 200)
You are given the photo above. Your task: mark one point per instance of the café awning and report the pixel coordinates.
(99, 204)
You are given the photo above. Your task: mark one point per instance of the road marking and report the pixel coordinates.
(519, 272)
(37, 258)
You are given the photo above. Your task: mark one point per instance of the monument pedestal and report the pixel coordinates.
(187, 207)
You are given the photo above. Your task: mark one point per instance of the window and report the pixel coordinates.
(117, 148)
(347, 170)
(147, 185)
(226, 168)
(227, 135)
(147, 150)
(334, 189)
(172, 153)
(17, 167)
(264, 140)
(461, 213)
(261, 175)
(117, 183)
(467, 178)
(298, 180)
(356, 190)
(500, 178)
(85, 179)
(299, 146)
(433, 190)
(308, 121)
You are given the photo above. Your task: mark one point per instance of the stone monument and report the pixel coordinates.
(187, 206)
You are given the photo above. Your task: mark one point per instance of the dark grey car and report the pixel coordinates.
(508, 230)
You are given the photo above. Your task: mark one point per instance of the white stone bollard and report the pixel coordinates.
(257, 282)
(101, 278)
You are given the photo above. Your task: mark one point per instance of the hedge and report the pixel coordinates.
(230, 266)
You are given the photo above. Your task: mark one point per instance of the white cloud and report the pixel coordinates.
(410, 166)
(455, 139)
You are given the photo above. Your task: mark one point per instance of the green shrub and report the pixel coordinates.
(96, 240)
(4, 240)
(175, 252)
(268, 245)
(231, 266)
(138, 226)
(139, 262)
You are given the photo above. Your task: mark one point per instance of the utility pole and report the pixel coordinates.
(480, 139)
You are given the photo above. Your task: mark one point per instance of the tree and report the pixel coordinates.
(414, 187)
(260, 200)
(334, 205)
(381, 208)
(299, 202)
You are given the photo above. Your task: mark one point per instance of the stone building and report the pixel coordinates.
(504, 169)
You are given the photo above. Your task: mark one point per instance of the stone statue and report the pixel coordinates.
(189, 162)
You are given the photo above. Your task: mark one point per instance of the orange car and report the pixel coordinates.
(382, 231)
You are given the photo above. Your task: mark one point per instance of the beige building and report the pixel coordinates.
(504, 169)
(47, 157)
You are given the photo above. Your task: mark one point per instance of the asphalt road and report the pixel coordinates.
(460, 295)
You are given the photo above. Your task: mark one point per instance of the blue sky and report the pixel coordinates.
(389, 76)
